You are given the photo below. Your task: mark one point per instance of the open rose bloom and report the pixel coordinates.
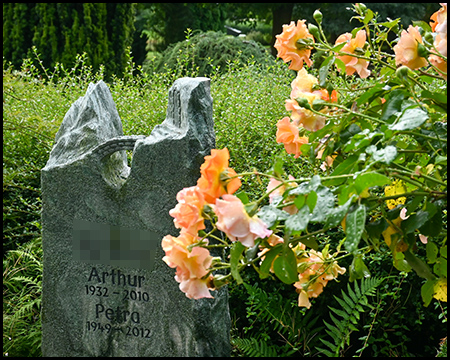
(187, 213)
(192, 266)
(214, 191)
(234, 221)
(439, 26)
(287, 133)
(406, 51)
(288, 47)
(216, 177)
(352, 63)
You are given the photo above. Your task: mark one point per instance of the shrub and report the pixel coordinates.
(205, 52)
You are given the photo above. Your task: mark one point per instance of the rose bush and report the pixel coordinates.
(373, 120)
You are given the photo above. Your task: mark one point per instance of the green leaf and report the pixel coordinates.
(432, 251)
(357, 269)
(427, 291)
(433, 226)
(306, 187)
(393, 104)
(285, 266)
(277, 169)
(354, 222)
(311, 200)
(336, 215)
(372, 93)
(324, 204)
(298, 222)
(299, 201)
(376, 228)
(268, 259)
(235, 254)
(440, 268)
(340, 64)
(270, 215)
(243, 197)
(324, 69)
(345, 167)
(415, 221)
(367, 180)
(386, 155)
(410, 119)
(368, 17)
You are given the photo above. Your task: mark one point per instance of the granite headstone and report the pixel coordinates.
(106, 291)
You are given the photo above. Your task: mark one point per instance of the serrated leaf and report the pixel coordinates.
(311, 200)
(285, 266)
(427, 291)
(393, 104)
(298, 222)
(324, 204)
(354, 222)
(370, 179)
(324, 69)
(268, 259)
(414, 221)
(386, 155)
(432, 251)
(270, 215)
(357, 269)
(411, 119)
(336, 215)
(235, 254)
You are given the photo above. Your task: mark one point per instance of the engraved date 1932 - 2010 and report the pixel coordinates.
(116, 317)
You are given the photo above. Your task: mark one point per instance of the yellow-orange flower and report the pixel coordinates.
(406, 51)
(192, 266)
(289, 49)
(215, 179)
(352, 46)
(287, 133)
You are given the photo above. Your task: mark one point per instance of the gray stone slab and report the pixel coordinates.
(106, 291)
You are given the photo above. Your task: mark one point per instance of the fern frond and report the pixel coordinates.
(346, 319)
(253, 348)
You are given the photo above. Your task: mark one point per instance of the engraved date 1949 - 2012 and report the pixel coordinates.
(108, 319)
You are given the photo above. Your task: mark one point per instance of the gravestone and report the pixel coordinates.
(106, 290)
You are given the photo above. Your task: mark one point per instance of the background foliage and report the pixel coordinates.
(37, 92)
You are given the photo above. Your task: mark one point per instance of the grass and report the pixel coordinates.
(248, 101)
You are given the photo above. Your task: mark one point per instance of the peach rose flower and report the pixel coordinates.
(309, 120)
(192, 266)
(302, 87)
(314, 265)
(273, 183)
(289, 50)
(439, 19)
(187, 213)
(234, 221)
(287, 133)
(440, 43)
(215, 176)
(352, 45)
(406, 51)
